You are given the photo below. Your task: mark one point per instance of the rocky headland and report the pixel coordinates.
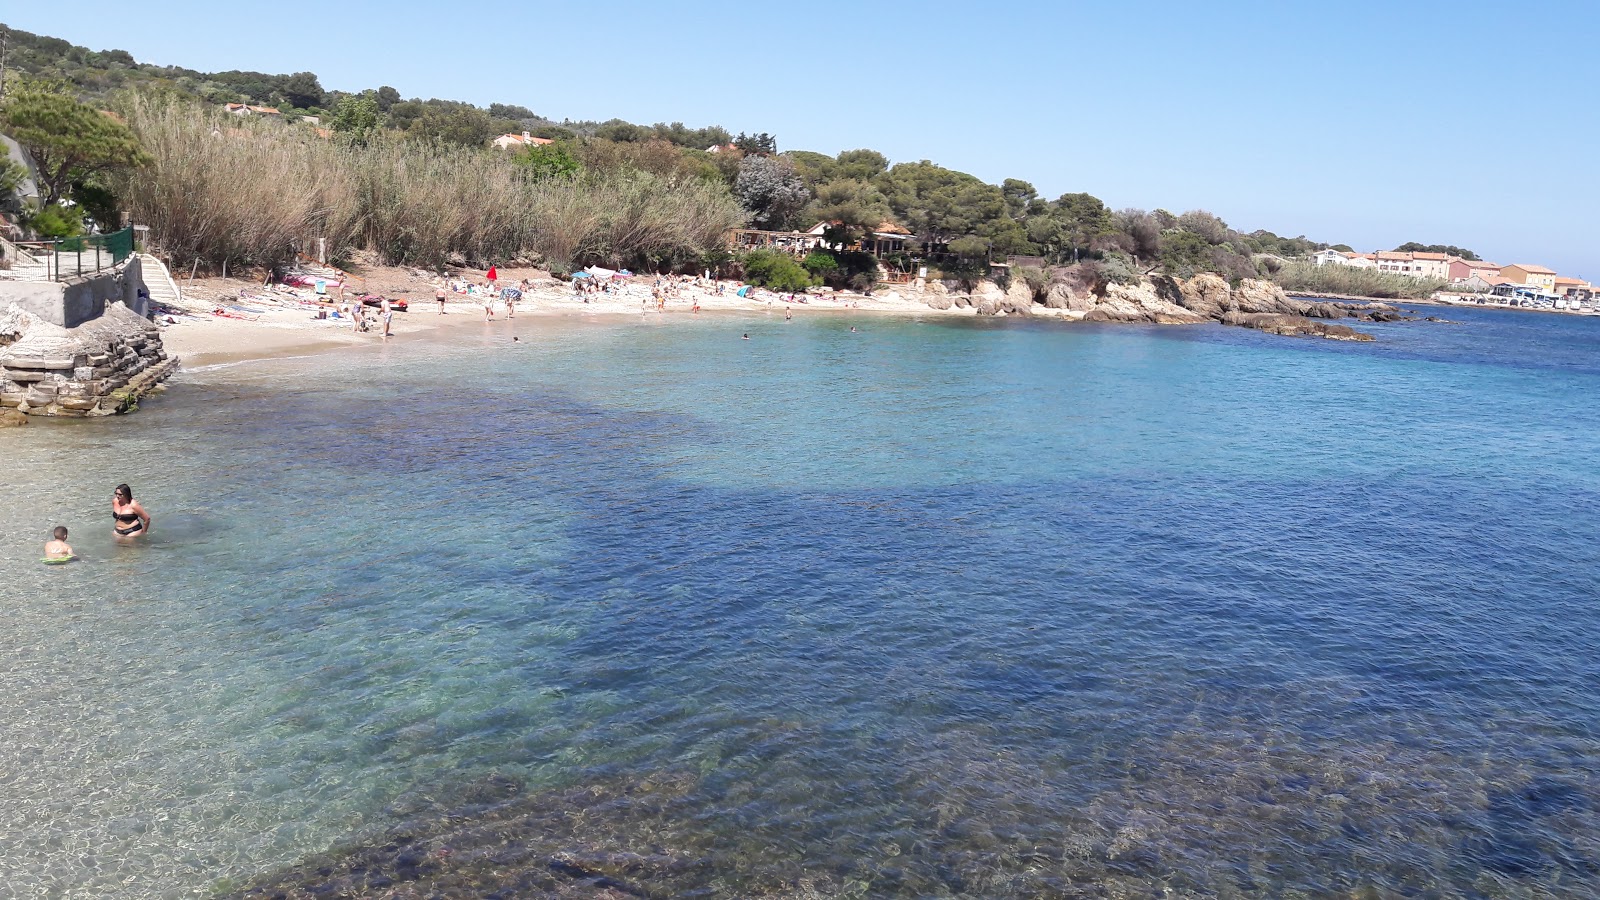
(1076, 293)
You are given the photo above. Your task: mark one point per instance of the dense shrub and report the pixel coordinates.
(778, 271)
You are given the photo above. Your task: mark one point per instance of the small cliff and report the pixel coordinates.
(1076, 293)
(100, 367)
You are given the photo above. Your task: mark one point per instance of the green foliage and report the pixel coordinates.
(820, 263)
(777, 271)
(1447, 249)
(56, 222)
(547, 161)
(68, 140)
(301, 90)
(12, 175)
(860, 165)
(939, 204)
(510, 111)
(756, 143)
(460, 124)
(386, 97)
(357, 117)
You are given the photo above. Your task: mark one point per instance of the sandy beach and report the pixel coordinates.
(262, 321)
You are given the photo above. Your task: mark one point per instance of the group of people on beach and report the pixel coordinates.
(129, 519)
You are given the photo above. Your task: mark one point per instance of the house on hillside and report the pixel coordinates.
(1330, 258)
(1530, 275)
(245, 109)
(723, 148)
(1462, 269)
(1360, 261)
(515, 141)
(887, 238)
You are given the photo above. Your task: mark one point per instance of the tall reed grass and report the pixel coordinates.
(1348, 280)
(221, 190)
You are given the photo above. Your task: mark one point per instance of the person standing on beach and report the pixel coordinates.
(128, 518)
(488, 305)
(438, 294)
(388, 316)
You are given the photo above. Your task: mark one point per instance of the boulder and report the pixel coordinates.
(940, 301)
(1254, 295)
(1019, 298)
(1206, 295)
(10, 418)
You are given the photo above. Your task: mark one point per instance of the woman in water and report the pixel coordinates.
(128, 517)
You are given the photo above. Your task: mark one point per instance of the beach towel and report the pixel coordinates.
(510, 294)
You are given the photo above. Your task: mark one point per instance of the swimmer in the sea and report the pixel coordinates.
(128, 517)
(746, 336)
(57, 549)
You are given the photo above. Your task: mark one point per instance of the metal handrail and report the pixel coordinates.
(77, 256)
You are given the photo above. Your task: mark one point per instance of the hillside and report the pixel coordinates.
(391, 175)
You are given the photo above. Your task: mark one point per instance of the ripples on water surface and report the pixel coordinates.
(935, 609)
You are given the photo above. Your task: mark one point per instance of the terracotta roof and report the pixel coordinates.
(1532, 270)
(887, 227)
(1571, 281)
(1390, 254)
(1429, 256)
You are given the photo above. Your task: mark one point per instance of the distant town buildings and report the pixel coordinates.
(1530, 275)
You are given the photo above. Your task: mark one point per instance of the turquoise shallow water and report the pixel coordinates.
(1000, 609)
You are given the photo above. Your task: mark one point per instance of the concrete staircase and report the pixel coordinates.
(158, 281)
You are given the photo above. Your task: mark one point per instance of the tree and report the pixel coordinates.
(452, 123)
(852, 207)
(386, 97)
(510, 111)
(862, 165)
(1019, 195)
(756, 143)
(302, 90)
(769, 188)
(67, 139)
(938, 204)
(357, 117)
(1447, 249)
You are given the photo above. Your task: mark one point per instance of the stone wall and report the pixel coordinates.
(97, 368)
(78, 300)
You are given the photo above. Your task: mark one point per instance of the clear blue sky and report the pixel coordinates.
(1371, 123)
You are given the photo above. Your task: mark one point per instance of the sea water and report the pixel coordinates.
(939, 608)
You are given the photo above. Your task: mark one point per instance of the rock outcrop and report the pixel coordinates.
(98, 368)
(1081, 292)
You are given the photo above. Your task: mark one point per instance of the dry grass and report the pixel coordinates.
(226, 191)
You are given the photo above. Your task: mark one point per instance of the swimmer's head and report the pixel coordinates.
(60, 533)
(124, 492)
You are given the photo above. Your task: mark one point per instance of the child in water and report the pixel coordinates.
(57, 548)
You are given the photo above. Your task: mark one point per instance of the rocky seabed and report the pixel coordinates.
(96, 369)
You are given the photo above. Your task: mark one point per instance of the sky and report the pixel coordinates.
(1368, 123)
